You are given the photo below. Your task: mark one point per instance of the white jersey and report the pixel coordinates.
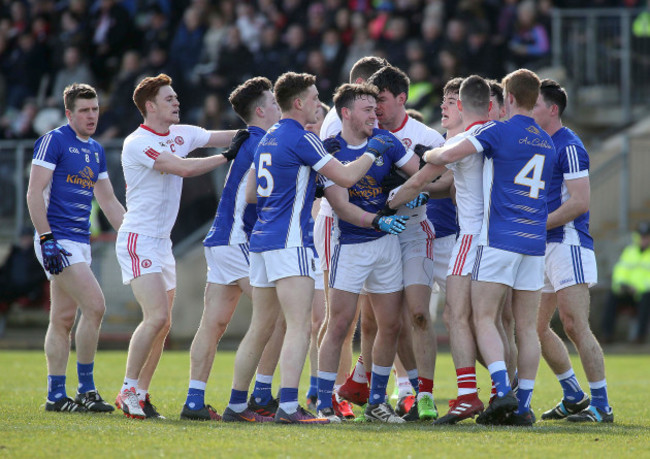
(330, 127)
(153, 197)
(411, 133)
(468, 179)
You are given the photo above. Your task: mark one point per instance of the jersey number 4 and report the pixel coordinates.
(531, 175)
(263, 172)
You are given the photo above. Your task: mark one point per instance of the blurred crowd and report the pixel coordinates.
(210, 46)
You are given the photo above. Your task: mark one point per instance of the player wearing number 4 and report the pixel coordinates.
(68, 169)
(282, 261)
(519, 162)
(154, 162)
(570, 269)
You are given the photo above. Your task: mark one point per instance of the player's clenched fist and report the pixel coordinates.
(391, 224)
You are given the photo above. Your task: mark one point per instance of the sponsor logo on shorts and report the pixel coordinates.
(566, 281)
(146, 263)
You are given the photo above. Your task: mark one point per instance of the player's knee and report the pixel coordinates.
(420, 321)
(63, 322)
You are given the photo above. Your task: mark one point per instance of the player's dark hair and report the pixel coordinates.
(553, 94)
(246, 97)
(415, 114)
(291, 85)
(392, 80)
(524, 86)
(452, 86)
(77, 91)
(366, 66)
(347, 93)
(147, 90)
(475, 94)
(496, 90)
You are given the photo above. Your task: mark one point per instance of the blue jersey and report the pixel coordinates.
(235, 218)
(519, 162)
(77, 165)
(442, 214)
(286, 161)
(572, 163)
(367, 192)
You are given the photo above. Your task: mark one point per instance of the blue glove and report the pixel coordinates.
(393, 224)
(419, 200)
(55, 257)
(332, 145)
(378, 144)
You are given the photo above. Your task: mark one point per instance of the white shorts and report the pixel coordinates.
(318, 277)
(417, 257)
(521, 272)
(79, 250)
(374, 266)
(138, 254)
(568, 265)
(323, 240)
(463, 255)
(442, 248)
(227, 263)
(267, 267)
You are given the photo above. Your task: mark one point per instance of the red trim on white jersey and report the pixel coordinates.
(401, 126)
(328, 239)
(154, 132)
(465, 245)
(474, 124)
(131, 244)
(151, 153)
(426, 227)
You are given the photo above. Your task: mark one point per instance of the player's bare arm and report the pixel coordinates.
(39, 178)
(112, 208)
(339, 200)
(346, 175)
(415, 184)
(449, 153)
(220, 138)
(251, 187)
(187, 167)
(577, 204)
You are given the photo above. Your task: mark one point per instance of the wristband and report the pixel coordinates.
(363, 219)
(373, 157)
(46, 237)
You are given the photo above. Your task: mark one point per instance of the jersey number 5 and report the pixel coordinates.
(263, 172)
(531, 175)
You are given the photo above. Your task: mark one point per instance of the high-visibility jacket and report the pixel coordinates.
(632, 269)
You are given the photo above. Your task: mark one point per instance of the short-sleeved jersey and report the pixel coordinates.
(235, 218)
(468, 179)
(286, 161)
(153, 197)
(76, 166)
(331, 126)
(572, 163)
(519, 162)
(367, 193)
(410, 133)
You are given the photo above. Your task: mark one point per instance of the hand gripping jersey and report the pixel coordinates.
(286, 161)
(235, 218)
(367, 192)
(153, 197)
(572, 163)
(410, 133)
(468, 179)
(519, 162)
(77, 165)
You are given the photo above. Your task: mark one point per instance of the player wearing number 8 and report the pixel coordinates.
(519, 161)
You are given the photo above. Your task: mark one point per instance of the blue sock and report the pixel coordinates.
(524, 394)
(262, 390)
(499, 375)
(56, 387)
(570, 386)
(289, 399)
(378, 383)
(196, 395)
(85, 374)
(413, 377)
(238, 400)
(313, 387)
(326, 381)
(599, 395)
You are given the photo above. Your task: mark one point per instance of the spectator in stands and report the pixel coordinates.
(75, 70)
(235, 64)
(24, 69)
(272, 57)
(529, 45)
(631, 286)
(21, 276)
(295, 40)
(392, 42)
(250, 24)
(20, 124)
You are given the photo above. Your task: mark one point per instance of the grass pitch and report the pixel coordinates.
(26, 430)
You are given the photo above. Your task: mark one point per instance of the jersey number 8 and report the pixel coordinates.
(531, 175)
(262, 171)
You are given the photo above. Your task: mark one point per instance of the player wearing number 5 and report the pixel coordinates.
(519, 161)
(282, 260)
